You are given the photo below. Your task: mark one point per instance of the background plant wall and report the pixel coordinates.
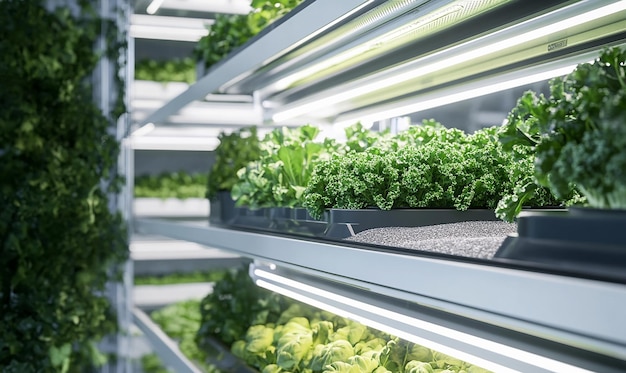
(59, 239)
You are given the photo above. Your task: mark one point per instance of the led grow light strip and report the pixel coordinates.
(446, 60)
(168, 28)
(364, 48)
(154, 6)
(446, 99)
(308, 294)
(174, 143)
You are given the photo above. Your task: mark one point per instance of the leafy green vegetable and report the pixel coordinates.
(181, 321)
(425, 166)
(352, 181)
(294, 344)
(259, 338)
(181, 278)
(302, 339)
(577, 134)
(338, 350)
(353, 332)
(174, 70)
(235, 151)
(225, 34)
(281, 173)
(526, 192)
(322, 330)
(343, 367)
(418, 367)
(257, 349)
(235, 304)
(358, 138)
(151, 363)
(178, 184)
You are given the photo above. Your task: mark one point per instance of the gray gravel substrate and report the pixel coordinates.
(476, 239)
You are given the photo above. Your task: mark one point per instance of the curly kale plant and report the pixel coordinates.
(578, 134)
(425, 166)
(354, 181)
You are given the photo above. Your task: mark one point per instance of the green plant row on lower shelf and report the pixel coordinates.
(151, 363)
(175, 70)
(179, 184)
(308, 340)
(274, 335)
(180, 278)
(181, 321)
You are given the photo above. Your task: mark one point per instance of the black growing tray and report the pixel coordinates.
(364, 219)
(581, 240)
(222, 358)
(336, 223)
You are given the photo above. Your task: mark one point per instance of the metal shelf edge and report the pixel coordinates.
(308, 21)
(577, 311)
(164, 346)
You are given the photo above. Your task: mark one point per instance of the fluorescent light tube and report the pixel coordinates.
(376, 43)
(168, 28)
(174, 143)
(449, 98)
(378, 318)
(164, 33)
(210, 6)
(446, 59)
(154, 6)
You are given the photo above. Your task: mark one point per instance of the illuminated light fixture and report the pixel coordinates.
(168, 28)
(438, 99)
(154, 6)
(376, 43)
(143, 130)
(328, 62)
(174, 143)
(447, 59)
(385, 320)
(210, 6)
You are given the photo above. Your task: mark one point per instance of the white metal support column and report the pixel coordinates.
(106, 94)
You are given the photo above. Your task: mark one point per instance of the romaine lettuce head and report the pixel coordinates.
(259, 338)
(271, 368)
(341, 367)
(375, 344)
(365, 364)
(323, 355)
(238, 348)
(414, 366)
(295, 344)
(354, 332)
(321, 331)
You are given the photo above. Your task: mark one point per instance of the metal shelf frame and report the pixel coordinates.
(576, 313)
(581, 313)
(329, 61)
(316, 17)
